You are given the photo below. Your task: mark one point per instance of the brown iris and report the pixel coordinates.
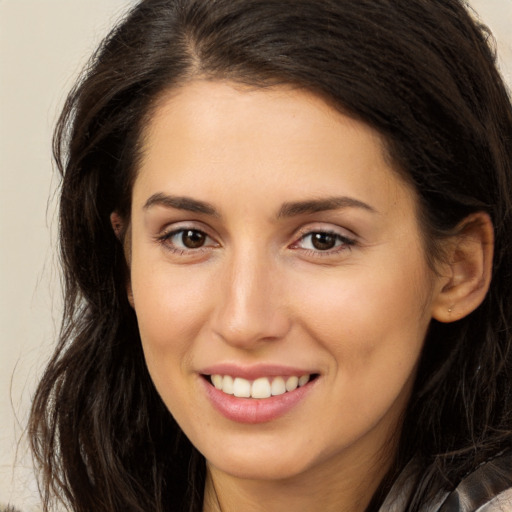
(323, 241)
(193, 239)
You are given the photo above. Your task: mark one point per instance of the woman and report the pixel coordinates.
(285, 228)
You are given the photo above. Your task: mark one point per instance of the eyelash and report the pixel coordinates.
(342, 243)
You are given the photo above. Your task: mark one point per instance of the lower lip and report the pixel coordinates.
(255, 410)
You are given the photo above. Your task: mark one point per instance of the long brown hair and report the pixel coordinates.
(422, 73)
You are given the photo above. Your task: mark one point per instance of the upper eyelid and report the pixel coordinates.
(326, 231)
(176, 227)
(164, 235)
(330, 228)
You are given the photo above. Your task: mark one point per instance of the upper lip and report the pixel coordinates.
(255, 371)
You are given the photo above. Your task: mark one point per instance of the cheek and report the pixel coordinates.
(167, 310)
(171, 309)
(374, 336)
(169, 301)
(372, 320)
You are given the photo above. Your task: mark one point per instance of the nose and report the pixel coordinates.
(251, 308)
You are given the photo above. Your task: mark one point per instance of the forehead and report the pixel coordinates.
(208, 135)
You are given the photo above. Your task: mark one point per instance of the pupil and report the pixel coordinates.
(323, 241)
(193, 239)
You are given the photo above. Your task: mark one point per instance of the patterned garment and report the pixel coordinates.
(487, 489)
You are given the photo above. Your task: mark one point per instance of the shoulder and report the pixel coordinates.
(501, 503)
(487, 489)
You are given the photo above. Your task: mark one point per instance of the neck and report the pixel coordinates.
(334, 489)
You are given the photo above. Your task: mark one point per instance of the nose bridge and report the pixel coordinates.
(251, 304)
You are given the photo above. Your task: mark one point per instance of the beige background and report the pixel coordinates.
(43, 44)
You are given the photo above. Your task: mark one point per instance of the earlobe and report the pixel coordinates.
(467, 271)
(129, 294)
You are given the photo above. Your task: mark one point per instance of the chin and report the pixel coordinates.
(261, 470)
(278, 460)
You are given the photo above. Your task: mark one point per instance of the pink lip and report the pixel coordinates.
(255, 410)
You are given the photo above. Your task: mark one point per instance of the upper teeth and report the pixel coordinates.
(264, 387)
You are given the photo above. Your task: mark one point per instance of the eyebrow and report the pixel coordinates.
(289, 209)
(321, 205)
(180, 203)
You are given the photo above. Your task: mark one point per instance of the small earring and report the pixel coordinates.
(450, 309)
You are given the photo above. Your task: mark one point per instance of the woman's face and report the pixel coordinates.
(271, 242)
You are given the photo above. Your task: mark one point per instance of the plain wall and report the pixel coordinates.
(43, 45)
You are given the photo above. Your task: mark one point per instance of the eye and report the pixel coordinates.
(186, 239)
(323, 241)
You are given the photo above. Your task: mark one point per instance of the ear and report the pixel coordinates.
(117, 225)
(467, 269)
(123, 235)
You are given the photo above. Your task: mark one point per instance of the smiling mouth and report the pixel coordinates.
(263, 387)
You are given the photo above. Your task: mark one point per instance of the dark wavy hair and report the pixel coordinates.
(420, 72)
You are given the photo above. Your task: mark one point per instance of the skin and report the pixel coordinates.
(258, 290)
